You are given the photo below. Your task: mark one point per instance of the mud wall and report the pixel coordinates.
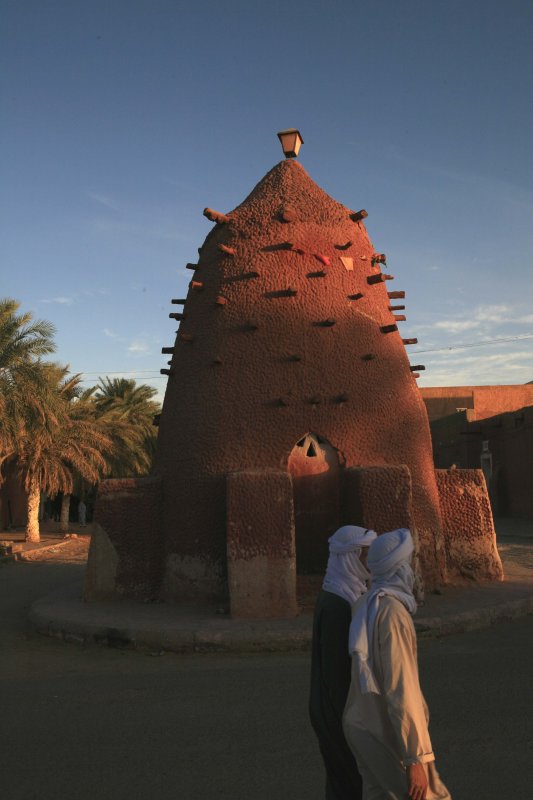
(261, 551)
(486, 401)
(469, 534)
(126, 557)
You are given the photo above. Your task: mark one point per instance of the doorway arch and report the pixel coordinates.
(315, 470)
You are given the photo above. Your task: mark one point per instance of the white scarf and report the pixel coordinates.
(345, 575)
(391, 574)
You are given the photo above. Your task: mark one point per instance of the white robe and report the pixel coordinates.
(388, 731)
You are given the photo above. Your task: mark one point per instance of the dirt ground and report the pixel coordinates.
(70, 551)
(131, 725)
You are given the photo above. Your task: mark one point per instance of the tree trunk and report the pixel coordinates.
(32, 525)
(65, 512)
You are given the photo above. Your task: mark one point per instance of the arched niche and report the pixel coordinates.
(315, 469)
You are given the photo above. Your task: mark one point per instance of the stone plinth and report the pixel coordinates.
(469, 534)
(125, 557)
(260, 545)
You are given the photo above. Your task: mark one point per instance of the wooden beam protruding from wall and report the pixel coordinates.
(216, 216)
(224, 248)
(379, 278)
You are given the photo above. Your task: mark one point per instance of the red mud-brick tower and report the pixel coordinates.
(288, 360)
(291, 407)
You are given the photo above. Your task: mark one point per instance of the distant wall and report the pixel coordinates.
(501, 445)
(486, 401)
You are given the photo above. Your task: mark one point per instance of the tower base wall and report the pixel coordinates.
(260, 544)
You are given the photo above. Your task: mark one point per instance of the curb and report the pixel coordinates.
(474, 620)
(209, 636)
(27, 555)
(72, 620)
(12, 556)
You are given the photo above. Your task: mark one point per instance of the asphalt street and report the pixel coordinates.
(84, 722)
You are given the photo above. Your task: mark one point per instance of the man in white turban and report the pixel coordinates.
(386, 717)
(345, 580)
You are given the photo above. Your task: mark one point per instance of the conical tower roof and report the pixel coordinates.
(288, 327)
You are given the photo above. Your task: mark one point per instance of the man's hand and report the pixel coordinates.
(417, 782)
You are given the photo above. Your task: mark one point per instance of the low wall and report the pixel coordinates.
(469, 535)
(125, 556)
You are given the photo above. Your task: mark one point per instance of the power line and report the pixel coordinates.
(149, 373)
(106, 375)
(118, 372)
(476, 344)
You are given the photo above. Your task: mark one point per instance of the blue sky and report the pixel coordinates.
(123, 119)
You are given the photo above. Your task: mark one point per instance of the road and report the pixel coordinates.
(81, 722)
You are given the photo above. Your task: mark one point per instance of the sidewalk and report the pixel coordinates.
(187, 629)
(14, 547)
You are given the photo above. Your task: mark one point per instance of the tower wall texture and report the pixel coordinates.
(287, 329)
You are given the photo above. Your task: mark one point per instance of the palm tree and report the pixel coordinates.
(57, 448)
(124, 413)
(70, 390)
(127, 410)
(25, 394)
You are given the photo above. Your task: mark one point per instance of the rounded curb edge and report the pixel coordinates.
(241, 641)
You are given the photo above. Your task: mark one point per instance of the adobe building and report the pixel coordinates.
(484, 401)
(291, 407)
(13, 498)
(487, 427)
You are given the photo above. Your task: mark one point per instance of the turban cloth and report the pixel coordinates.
(345, 575)
(389, 562)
